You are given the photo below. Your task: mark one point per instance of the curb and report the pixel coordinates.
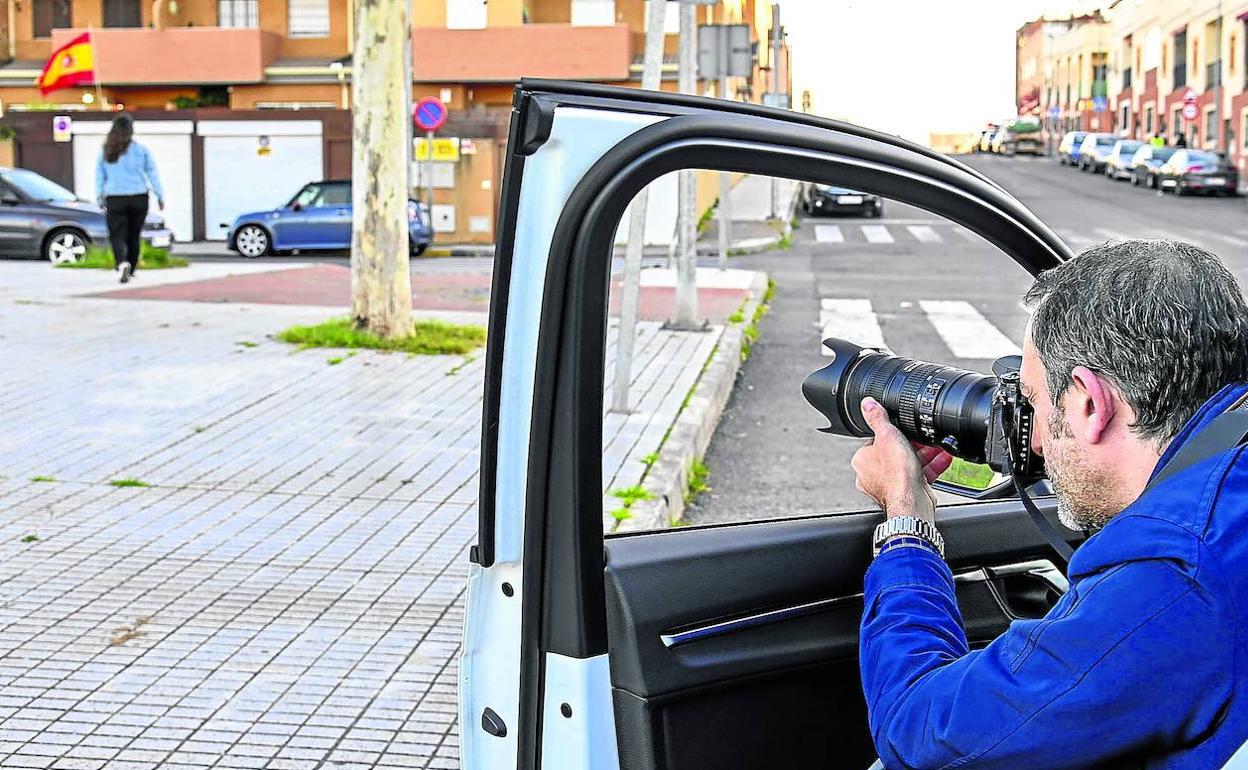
(668, 478)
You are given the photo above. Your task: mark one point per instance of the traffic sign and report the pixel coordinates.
(1190, 110)
(62, 128)
(1100, 103)
(429, 114)
(1189, 96)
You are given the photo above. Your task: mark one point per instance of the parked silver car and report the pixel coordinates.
(41, 219)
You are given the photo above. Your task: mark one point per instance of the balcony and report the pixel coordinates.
(140, 56)
(506, 54)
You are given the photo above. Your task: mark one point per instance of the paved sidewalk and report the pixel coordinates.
(287, 591)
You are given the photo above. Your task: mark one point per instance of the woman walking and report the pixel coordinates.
(123, 175)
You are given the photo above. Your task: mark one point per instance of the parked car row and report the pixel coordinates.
(1179, 170)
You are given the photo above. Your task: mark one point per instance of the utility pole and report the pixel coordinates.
(686, 262)
(775, 89)
(627, 333)
(381, 288)
(725, 189)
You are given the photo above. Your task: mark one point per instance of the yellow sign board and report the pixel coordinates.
(444, 150)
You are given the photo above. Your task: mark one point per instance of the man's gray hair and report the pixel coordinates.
(1164, 321)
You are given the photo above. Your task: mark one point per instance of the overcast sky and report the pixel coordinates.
(910, 66)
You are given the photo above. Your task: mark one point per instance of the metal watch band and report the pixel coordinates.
(910, 526)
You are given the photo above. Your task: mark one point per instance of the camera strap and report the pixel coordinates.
(1226, 431)
(1056, 541)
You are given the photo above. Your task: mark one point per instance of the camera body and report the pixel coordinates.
(1011, 427)
(981, 418)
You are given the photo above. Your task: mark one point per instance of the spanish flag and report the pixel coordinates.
(73, 64)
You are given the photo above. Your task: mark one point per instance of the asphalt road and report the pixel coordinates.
(924, 288)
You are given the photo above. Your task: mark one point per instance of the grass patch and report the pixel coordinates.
(334, 361)
(200, 429)
(704, 221)
(783, 244)
(430, 338)
(736, 317)
(698, 473)
(43, 479)
(458, 367)
(967, 474)
(29, 538)
(247, 344)
(621, 514)
(128, 483)
(650, 459)
(630, 495)
(101, 258)
(751, 332)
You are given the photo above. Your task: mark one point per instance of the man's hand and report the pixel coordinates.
(894, 472)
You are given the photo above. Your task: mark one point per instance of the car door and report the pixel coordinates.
(20, 230)
(333, 216)
(726, 646)
(293, 227)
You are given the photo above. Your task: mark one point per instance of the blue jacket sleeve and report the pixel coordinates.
(101, 178)
(153, 177)
(1133, 658)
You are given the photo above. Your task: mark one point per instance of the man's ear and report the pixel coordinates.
(1091, 405)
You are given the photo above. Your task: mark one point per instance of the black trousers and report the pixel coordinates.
(125, 214)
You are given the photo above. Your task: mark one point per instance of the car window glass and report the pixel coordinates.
(309, 196)
(336, 195)
(1104, 141)
(840, 256)
(1163, 153)
(38, 188)
(1202, 157)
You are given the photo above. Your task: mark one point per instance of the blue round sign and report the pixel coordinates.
(429, 114)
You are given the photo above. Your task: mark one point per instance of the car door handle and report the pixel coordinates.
(1023, 590)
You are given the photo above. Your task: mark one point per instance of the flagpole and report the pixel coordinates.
(95, 65)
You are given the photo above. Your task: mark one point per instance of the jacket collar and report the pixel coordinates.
(1151, 537)
(1216, 405)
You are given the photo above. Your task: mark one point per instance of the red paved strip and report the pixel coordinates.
(330, 286)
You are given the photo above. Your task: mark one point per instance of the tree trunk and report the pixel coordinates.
(381, 289)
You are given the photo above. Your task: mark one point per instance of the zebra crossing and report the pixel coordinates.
(964, 330)
(936, 231)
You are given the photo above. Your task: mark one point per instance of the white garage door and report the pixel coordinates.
(170, 144)
(252, 165)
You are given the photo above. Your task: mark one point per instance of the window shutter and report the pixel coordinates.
(309, 18)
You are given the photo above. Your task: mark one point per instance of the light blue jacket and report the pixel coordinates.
(1143, 663)
(134, 173)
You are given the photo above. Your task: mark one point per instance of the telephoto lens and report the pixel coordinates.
(931, 404)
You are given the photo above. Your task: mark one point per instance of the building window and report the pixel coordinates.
(238, 13)
(1126, 118)
(593, 13)
(1176, 122)
(1211, 128)
(1243, 119)
(309, 18)
(1148, 121)
(466, 14)
(1180, 59)
(51, 14)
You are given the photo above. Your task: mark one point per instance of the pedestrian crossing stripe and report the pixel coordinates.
(963, 329)
(852, 235)
(851, 319)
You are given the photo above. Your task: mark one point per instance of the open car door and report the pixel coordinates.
(731, 646)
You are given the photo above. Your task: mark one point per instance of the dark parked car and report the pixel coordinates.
(1068, 150)
(1198, 171)
(317, 218)
(829, 199)
(1094, 152)
(41, 219)
(1118, 165)
(1146, 161)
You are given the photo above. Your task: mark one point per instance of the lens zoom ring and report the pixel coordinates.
(877, 382)
(907, 402)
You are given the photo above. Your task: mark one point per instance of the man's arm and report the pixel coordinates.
(1135, 660)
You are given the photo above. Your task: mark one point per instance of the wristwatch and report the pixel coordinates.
(908, 526)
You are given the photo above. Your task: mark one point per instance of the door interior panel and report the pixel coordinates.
(742, 640)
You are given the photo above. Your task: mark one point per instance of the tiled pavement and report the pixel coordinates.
(288, 591)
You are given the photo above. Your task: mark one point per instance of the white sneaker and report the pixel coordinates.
(125, 272)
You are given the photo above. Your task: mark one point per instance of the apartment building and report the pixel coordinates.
(1131, 68)
(257, 58)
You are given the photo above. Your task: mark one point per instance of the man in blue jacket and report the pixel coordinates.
(1132, 349)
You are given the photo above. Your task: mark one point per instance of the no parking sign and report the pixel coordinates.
(429, 114)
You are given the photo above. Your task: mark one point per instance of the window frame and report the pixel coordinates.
(308, 34)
